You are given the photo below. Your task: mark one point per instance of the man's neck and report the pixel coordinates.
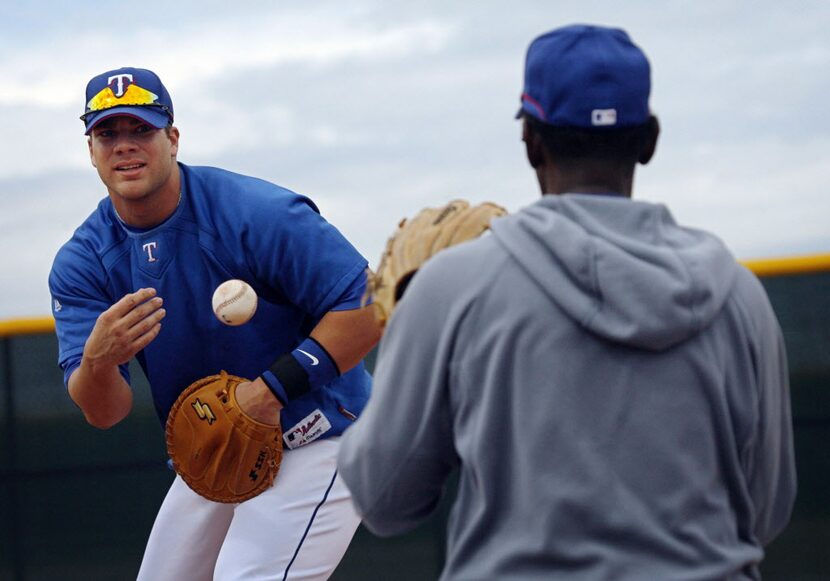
(586, 179)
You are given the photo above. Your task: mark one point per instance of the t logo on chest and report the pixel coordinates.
(152, 254)
(149, 248)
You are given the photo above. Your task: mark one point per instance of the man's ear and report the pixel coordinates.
(91, 158)
(173, 136)
(651, 140)
(533, 145)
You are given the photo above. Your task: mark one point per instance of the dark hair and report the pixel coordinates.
(618, 145)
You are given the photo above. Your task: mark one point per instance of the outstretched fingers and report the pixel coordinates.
(145, 312)
(126, 327)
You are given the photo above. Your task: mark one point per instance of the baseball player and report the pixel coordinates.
(611, 386)
(136, 280)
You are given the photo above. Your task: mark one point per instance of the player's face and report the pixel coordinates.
(135, 160)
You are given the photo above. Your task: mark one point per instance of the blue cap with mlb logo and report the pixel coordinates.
(128, 91)
(588, 77)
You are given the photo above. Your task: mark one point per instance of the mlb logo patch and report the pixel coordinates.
(603, 117)
(307, 430)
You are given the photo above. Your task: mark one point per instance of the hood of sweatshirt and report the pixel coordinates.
(622, 269)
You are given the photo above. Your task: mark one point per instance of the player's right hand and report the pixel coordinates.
(124, 329)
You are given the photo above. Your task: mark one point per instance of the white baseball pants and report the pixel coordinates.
(299, 528)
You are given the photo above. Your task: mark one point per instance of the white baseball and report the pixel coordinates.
(234, 302)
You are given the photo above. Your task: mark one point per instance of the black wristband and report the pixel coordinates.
(291, 375)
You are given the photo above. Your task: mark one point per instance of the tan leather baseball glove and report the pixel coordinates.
(219, 451)
(420, 238)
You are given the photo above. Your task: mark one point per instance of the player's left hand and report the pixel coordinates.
(259, 402)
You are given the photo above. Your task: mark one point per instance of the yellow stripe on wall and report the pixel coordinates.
(789, 266)
(762, 267)
(30, 326)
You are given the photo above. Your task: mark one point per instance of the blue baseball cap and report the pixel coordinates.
(586, 77)
(128, 91)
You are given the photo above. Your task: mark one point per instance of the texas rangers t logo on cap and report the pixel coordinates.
(119, 91)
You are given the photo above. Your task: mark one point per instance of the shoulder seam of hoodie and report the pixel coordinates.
(696, 322)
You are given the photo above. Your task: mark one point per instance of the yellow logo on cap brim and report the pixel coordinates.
(134, 95)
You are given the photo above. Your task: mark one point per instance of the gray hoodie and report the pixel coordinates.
(612, 388)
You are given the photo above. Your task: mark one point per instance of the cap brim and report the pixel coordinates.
(154, 116)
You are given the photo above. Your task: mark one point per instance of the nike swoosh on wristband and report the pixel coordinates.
(314, 360)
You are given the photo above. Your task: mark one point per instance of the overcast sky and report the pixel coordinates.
(377, 109)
